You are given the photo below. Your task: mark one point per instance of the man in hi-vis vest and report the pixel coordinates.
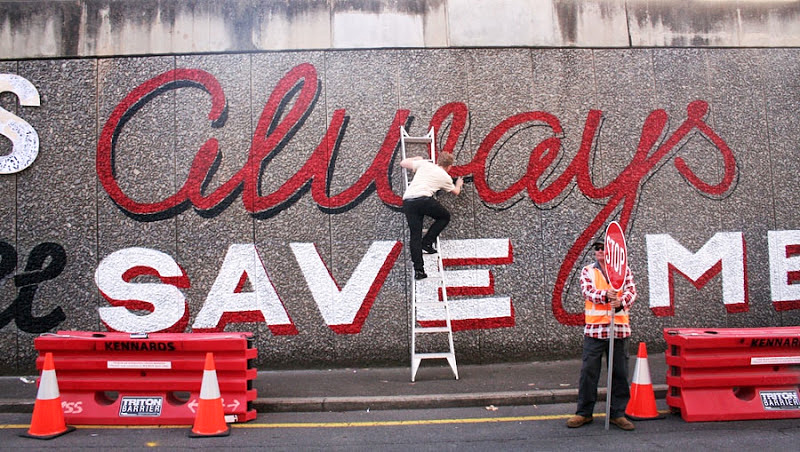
(600, 301)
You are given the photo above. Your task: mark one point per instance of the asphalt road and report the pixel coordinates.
(479, 429)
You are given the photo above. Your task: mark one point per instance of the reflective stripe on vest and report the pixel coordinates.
(599, 314)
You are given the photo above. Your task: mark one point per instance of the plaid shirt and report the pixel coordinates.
(627, 296)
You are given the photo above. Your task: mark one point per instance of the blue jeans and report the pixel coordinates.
(593, 351)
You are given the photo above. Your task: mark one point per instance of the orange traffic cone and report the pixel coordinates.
(642, 405)
(210, 419)
(48, 417)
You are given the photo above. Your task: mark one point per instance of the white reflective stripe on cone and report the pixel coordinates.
(209, 388)
(48, 387)
(641, 373)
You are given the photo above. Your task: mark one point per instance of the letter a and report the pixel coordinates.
(226, 303)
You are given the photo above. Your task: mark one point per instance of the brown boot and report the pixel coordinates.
(622, 422)
(578, 420)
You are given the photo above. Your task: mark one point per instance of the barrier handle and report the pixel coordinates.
(610, 367)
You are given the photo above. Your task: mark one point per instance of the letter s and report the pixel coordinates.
(23, 136)
(165, 302)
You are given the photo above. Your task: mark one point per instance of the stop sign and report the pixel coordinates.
(616, 255)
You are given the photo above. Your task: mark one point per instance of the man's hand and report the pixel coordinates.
(459, 182)
(613, 299)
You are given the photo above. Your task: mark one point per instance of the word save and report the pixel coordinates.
(344, 309)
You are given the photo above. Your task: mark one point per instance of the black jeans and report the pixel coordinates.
(593, 351)
(416, 209)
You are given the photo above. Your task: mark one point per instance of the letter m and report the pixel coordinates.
(723, 253)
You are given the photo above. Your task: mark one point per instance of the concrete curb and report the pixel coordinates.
(406, 402)
(16, 406)
(397, 402)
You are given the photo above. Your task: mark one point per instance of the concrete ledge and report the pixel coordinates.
(405, 402)
(394, 402)
(100, 28)
(16, 406)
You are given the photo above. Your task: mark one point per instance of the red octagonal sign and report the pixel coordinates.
(616, 255)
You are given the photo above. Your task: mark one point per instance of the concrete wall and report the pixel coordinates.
(259, 191)
(44, 29)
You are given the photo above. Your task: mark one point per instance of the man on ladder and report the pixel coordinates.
(418, 202)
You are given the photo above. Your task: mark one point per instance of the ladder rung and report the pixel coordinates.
(417, 139)
(432, 329)
(433, 355)
(431, 304)
(432, 279)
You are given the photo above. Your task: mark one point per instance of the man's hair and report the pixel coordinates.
(445, 159)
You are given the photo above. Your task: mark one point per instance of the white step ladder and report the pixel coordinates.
(427, 290)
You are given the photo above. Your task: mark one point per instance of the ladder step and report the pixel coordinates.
(434, 355)
(417, 139)
(432, 329)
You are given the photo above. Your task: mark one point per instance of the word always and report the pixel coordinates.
(295, 96)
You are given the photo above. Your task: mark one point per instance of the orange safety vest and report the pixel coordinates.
(600, 314)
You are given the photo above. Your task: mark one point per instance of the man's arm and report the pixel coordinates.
(408, 163)
(629, 294)
(588, 289)
(459, 183)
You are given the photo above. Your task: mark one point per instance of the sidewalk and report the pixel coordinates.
(534, 383)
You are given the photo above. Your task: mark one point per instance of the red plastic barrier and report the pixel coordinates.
(733, 373)
(155, 379)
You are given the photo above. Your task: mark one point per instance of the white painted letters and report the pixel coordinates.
(165, 301)
(227, 303)
(22, 135)
(724, 253)
(784, 267)
(470, 313)
(345, 310)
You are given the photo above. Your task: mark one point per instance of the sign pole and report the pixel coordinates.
(616, 263)
(610, 361)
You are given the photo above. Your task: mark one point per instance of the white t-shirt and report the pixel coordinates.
(428, 179)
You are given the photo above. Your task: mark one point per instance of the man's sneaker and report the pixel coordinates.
(622, 422)
(429, 249)
(419, 274)
(578, 420)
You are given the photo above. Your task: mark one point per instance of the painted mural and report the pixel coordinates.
(262, 192)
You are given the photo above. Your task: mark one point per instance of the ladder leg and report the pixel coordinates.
(452, 361)
(451, 357)
(414, 361)
(414, 367)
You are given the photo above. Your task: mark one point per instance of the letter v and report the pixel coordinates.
(345, 310)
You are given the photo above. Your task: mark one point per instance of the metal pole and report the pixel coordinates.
(610, 367)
